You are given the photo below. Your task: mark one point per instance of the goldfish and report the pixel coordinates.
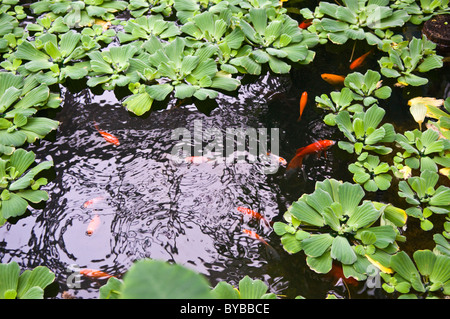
(317, 147)
(280, 159)
(333, 79)
(270, 250)
(305, 24)
(253, 214)
(108, 137)
(303, 101)
(337, 273)
(93, 225)
(95, 274)
(197, 159)
(92, 201)
(254, 235)
(359, 61)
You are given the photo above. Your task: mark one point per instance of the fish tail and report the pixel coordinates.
(295, 163)
(271, 252)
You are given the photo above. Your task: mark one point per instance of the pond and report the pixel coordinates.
(150, 206)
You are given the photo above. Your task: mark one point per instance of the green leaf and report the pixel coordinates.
(316, 245)
(363, 215)
(153, 279)
(138, 103)
(403, 265)
(342, 251)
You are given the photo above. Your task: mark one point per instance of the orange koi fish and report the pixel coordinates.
(95, 274)
(255, 215)
(280, 160)
(93, 225)
(333, 79)
(269, 249)
(108, 137)
(92, 201)
(305, 24)
(359, 61)
(197, 159)
(302, 152)
(254, 235)
(303, 101)
(337, 273)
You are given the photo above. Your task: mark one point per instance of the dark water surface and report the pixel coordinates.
(186, 213)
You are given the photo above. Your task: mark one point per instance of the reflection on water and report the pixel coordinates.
(150, 207)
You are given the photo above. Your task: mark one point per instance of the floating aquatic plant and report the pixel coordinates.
(441, 117)
(371, 173)
(421, 192)
(360, 92)
(28, 285)
(53, 58)
(139, 8)
(332, 224)
(157, 279)
(144, 27)
(274, 39)
(423, 10)
(423, 150)
(354, 19)
(408, 58)
(17, 184)
(248, 289)
(363, 131)
(428, 275)
(20, 100)
(81, 13)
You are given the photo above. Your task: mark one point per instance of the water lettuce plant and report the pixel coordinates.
(360, 92)
(407, 59)
(364, 132)
(423, 10)
(157, 279)
(144, 27)
(426, 275)
(439, 117)
(139, 8)
(274, 39)
(53, 58)
(421, 192)
(354, 19)
(30, 284)
(331, 224)
(20, 100)
(18, 185)
(371, 173)
(422, 150)
(79, 13)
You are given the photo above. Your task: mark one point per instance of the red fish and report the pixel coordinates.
(306, 23)
(269, 249)
(333, 79)
(280, 160)
(108, 137)
(95, 274)
(254, 235)
(338, 273)
(317, 147)
(92, 201)
(303, 101)
(253, 214)
(93, 225)
(197, 159)
(359, 61)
